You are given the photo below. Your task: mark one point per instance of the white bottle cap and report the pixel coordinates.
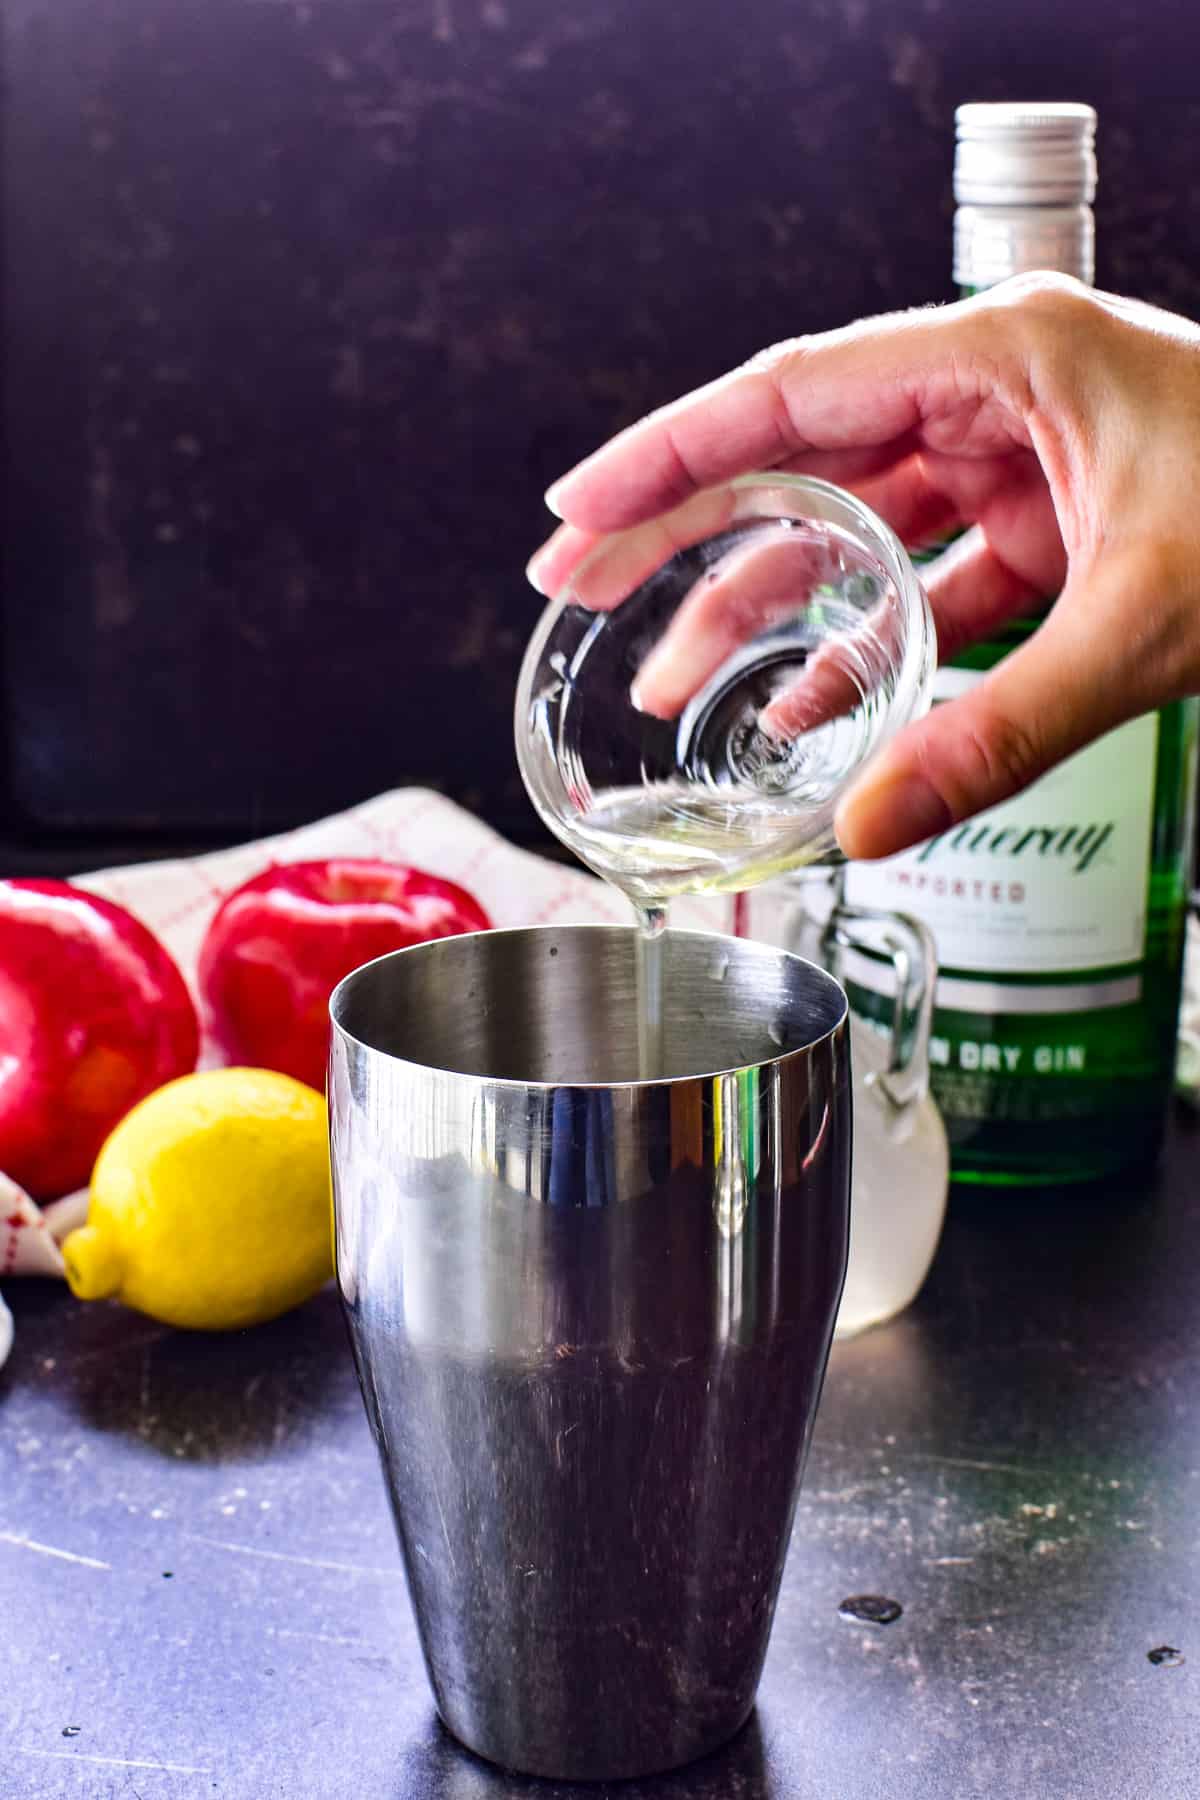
(1019, 154)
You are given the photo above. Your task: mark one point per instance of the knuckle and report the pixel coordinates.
(1047, 297)
(1050, 322)
(1053, 315)
(991, 755)
(777, 357)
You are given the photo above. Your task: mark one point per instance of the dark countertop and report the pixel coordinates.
(197, 1566)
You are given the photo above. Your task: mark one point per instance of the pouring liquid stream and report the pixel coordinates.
(656, 844)
(688, 726)
(652, 921)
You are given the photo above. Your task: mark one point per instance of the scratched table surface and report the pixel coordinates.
(200, 1592)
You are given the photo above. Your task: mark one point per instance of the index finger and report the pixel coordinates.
(873, 386)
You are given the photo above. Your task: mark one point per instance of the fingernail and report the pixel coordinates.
(879, 817)
(667, 680)
(532, 576)
(552, 493)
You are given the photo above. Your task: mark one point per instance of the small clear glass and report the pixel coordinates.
(695, 702)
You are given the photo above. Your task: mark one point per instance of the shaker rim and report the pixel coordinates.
(340, 994)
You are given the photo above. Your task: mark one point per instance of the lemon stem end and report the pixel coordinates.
(92, 1264)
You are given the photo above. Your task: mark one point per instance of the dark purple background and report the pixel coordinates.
(305, 301)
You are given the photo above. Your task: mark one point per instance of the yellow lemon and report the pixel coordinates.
(209, 1203)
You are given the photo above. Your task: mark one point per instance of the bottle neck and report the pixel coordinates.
(992, 243)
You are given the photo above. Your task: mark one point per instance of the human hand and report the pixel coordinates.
(754, 583)
(1061, 424)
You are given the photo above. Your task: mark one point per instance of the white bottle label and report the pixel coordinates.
(1051, 882)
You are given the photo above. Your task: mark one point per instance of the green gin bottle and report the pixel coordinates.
(1059, 915)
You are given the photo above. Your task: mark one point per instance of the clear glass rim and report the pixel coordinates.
(826, 504)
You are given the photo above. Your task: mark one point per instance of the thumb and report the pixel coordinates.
(1058, 692)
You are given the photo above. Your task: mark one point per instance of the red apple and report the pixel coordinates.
(278, 947)
(94, 1016)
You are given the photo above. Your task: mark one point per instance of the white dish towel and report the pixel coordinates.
(177, 899)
